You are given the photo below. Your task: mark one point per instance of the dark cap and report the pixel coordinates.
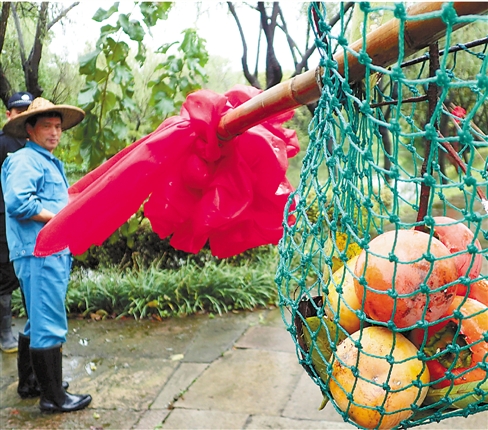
(19, 100)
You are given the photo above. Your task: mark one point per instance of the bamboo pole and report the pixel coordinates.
(382, 48)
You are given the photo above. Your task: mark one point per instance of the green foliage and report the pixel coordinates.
(108, 94)
(211, 286)
(459, 396)
(318, 341)
(132, 249)
(181, 73)
(221, 76)
(135, 246)
(363, 23)
(299, 123)
(10, 59)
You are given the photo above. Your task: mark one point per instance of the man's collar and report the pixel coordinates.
(38, 148)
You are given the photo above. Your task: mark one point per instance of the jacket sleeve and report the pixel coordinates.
(21, 178)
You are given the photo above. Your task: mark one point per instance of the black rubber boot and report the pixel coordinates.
(8, 343)
(28, 386)
(48, 367)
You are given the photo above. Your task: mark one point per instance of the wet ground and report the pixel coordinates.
(238, 371)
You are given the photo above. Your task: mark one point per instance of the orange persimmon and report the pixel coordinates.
(384, 373)
(478, 290)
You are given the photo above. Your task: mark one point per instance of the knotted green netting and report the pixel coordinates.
(387, 251)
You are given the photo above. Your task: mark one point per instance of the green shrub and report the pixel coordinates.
(135, 246)
(215, 287)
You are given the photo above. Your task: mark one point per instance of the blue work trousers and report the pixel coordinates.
(44, 282)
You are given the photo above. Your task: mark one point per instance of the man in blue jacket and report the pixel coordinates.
(35, 190)
(16, 104)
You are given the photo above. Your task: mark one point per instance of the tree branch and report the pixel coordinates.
(252, 79)
(432, 94)
(335, 19)
(291, 43)
(258, 51)
(62, 14)
(302, 65)
(20, 36)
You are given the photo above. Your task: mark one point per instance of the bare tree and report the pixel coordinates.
(271, 19)
(30, 60)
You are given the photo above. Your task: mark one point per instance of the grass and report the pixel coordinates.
(217, 287)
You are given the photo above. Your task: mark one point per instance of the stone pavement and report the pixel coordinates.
(236, 371)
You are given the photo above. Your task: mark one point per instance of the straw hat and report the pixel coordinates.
(71, 116)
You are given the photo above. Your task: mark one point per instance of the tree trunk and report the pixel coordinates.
(251, 78)
(31, 67)
(5, 87)
(274, 74)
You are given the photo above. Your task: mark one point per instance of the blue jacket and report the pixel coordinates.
(32, 179)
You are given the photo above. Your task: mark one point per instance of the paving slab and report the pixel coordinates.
(32, 418)
(266, 338)
(178, 384)
(272, 422)
(245, 381)
(305, 401)
(151, 419)
(126, 337)
(217, 335)
(8, 373)
(196, 419)
(126, 384)
(10, 399)
(273, 317)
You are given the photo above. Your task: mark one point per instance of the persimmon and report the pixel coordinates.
(405, 276)
(342, 305)
(467, 337)
(385, 373)
(477, 290)
(457, 237)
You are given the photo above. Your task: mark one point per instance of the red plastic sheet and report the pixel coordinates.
(197, 188)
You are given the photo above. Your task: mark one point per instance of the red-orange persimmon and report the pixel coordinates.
(457, 237)
(402, 285)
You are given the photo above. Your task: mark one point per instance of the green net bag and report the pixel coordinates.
(383, 275)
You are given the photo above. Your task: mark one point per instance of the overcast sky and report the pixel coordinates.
(211, 18)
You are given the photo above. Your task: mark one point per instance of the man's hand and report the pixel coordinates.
(43, 216)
